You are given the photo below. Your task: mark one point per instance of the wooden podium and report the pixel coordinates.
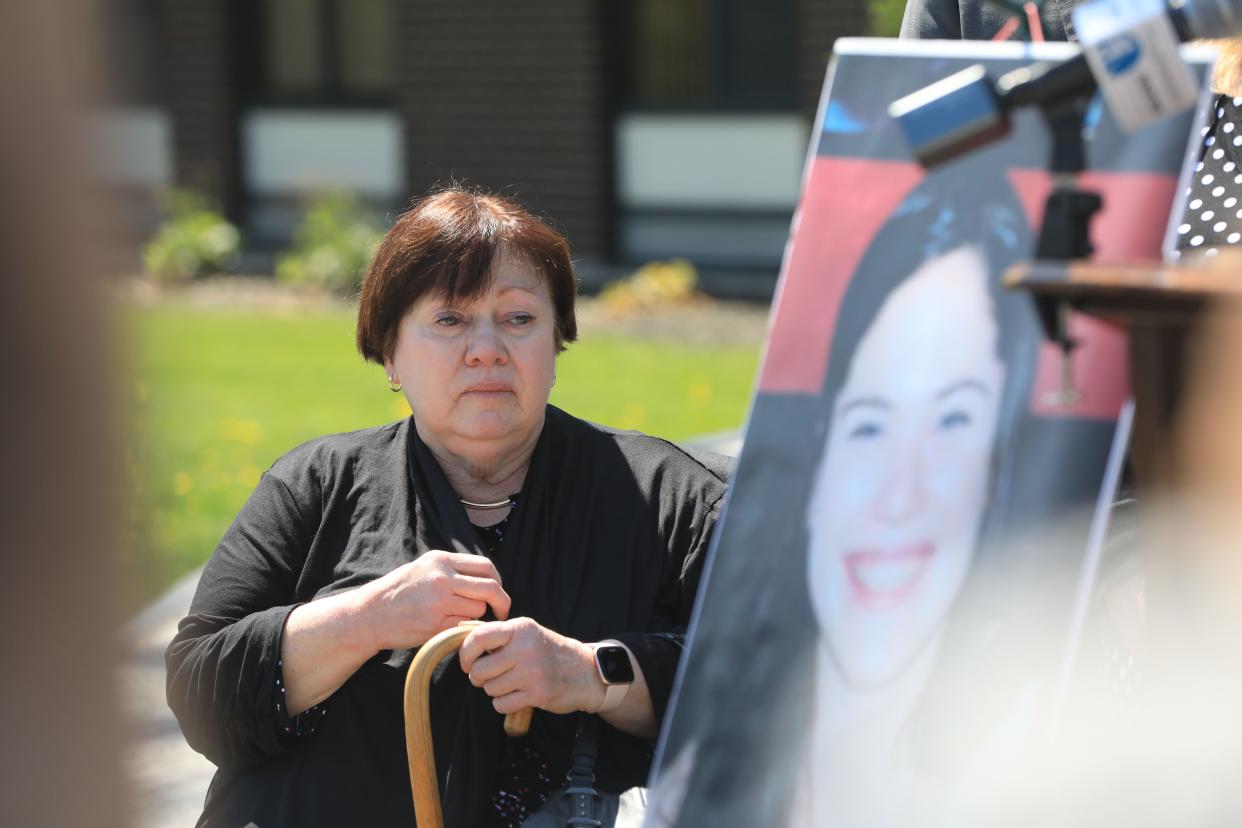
(1162, 306)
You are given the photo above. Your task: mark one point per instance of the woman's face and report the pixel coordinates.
(901, 487)
(480, 371)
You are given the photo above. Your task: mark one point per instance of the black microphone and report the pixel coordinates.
(967, 110)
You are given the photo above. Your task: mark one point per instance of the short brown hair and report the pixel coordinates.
(445, 244)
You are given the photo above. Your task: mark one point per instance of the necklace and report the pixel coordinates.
(500, 504)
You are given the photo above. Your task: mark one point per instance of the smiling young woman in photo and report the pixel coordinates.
(905, 472)
(930, 365)
(874, 642)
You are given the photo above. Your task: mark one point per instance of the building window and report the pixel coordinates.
(320, 51)
(712, 55)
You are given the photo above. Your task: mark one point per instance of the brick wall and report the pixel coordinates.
(529, 114)
(525, 115)
(200, 87)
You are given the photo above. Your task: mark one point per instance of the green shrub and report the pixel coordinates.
(194, 241)
(655, 284)
(333, 246)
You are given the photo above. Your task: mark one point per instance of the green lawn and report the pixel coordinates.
(217, 395)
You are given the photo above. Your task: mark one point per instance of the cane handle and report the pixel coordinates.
(423, 783)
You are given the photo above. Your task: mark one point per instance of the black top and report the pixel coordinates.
(526, 780)
(979, 19)
(608, 541)
(1213, 215)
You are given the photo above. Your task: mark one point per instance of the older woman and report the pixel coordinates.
(487, 503)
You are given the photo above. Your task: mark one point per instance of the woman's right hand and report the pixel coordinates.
(439, 590)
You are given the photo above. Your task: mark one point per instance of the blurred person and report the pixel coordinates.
(981, 20)
(1209, 459)
(486, 503)
(61, 763)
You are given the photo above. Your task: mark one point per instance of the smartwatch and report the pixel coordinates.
(612, 660)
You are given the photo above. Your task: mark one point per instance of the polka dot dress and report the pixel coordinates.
(1213, 215)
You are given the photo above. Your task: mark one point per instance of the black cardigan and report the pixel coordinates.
(608, 541)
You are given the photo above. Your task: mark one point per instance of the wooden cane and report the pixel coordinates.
(418, 747)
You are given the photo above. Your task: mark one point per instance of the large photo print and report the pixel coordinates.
(898, 590)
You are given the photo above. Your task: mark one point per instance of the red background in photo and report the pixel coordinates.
(845, 203)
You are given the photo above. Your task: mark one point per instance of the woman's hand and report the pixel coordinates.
(521, 664)
(327, 640)
(437, 591)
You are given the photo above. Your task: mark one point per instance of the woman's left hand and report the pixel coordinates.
(521, 664)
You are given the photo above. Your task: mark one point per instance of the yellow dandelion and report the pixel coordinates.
(701, 392)
(633, 415)
(246, 432)
(248, 475)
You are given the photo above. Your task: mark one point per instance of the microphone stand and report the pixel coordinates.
(1066, 232)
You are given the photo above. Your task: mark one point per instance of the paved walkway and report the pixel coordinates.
(169, 779)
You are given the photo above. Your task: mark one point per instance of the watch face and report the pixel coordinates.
(614, 664)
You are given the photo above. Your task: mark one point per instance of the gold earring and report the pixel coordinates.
(393, 385)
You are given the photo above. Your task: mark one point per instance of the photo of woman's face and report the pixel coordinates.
(900, 491)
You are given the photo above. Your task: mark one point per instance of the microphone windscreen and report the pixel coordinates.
(951, 117)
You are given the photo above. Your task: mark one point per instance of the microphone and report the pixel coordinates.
(967, 110)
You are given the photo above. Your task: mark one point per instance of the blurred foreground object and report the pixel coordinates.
(1202, 509)
(59, 765)
(1152, 737)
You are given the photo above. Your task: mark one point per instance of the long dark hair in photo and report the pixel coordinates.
(949, 211)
